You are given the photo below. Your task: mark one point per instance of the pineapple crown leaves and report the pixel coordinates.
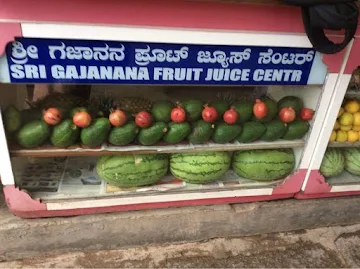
(103, 103)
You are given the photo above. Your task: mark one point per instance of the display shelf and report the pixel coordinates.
(344, 178)
(343, 144)
(76, 178)
(49, 151)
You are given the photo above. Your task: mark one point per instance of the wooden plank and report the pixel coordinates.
(343, 144)
(49, 151)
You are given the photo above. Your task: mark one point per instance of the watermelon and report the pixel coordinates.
(132, 170)
(264, 164)
(200, 167)
(352, 160)
(333, 163)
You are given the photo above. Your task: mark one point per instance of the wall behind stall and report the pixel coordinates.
(178, 93)
(13, 94)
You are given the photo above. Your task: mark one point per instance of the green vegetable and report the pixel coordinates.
(65, 134)
(225, 133)
(123, 135)
(96, 134)
(153, 134)
(33, 134)
(177, 132)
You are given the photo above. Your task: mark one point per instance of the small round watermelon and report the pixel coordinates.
(352, 160)
(264, 164)
(200, 167)
(333, 163)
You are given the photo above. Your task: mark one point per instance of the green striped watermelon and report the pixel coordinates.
(264, 164)
(333, 163)
(199, 168)
(132, 170)
(352, 160)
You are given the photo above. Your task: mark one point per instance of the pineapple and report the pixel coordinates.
(229, 97)
(135, 104)
(59, 100)
(102, 105)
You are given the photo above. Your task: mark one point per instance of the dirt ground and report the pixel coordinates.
(332, 247)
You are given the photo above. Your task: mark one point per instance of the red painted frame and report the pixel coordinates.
(157, 13)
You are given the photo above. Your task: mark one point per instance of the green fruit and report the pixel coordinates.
(201, 132)
(352, 160)
(132, 170)
(153, 134)
(123, 135)
(193, 109)
(244, 109)
(275, 130)
(272, 110)
(221, 106)
(65, 134)
(296, 130)
(177, 132)
(33, 134)
(225, 133)
(264, 164)
(31, 114)
(251, 131)
(291, 101)
(96, 134)
(200, 167)
(333, 163)
(12, 119)
(76, 110)
(161, 110)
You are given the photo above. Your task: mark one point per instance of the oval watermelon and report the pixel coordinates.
(352, 160)
(333, 163)
(132, 170)
(264, 164)
(199, 168)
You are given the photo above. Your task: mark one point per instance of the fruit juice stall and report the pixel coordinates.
(334, 168)
(184, 103)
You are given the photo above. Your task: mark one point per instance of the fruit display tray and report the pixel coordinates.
(107, 149)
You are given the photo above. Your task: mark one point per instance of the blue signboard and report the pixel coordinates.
(111, 62)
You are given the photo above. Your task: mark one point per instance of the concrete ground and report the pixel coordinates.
(332, 247)
(241, 235)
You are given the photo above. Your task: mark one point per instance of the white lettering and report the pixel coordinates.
(106, 72)
(287, 74)
(157, 73)
(143, 74)
(31, 71)
(93, 73)
(131, 73)
(71, 72)
(42, 71)
(119, 73)
(168, 73)
(197, 73)
(258, 75)
(245, 75)
(235, 75)
(58, 72)
(268, 74)
(17, 71)
(296, 75)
